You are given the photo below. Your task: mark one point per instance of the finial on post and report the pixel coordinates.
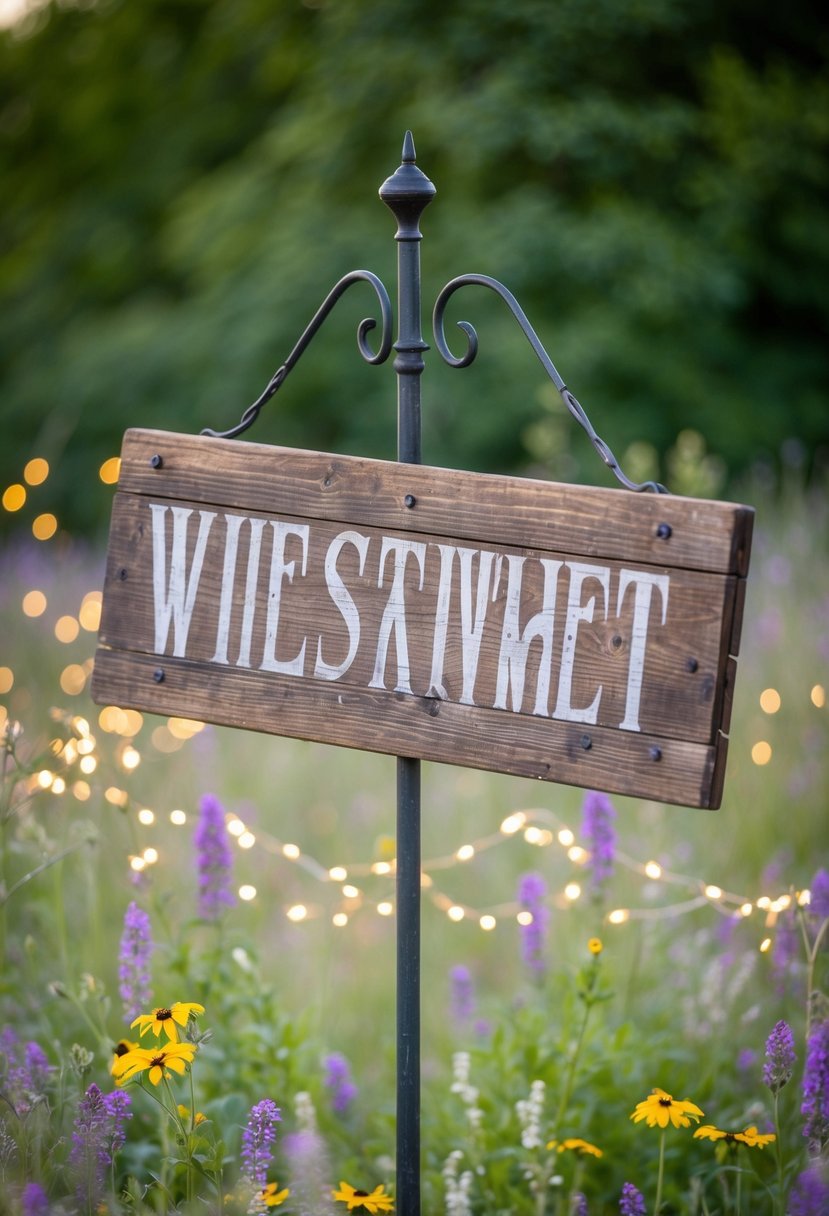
(407, 193)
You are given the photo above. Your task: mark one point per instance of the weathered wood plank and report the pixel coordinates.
(683, 677)
(592, 522)
(412, 726)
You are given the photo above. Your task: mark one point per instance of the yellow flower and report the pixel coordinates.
(156, 1062)
(750, 1136)
(167, 1019)
(272, 1197)
(576, 1146)
(121, 1048)
(595, 945)
(660, 1109)
(377, 1201)
(184, 1115)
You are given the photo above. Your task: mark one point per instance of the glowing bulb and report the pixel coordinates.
(85, 745)
(45, 778)
(235, 827)
(36, 471)
(340, 919)
(487, 923)
(130, 758)
(34, 603)
(804, 897)
(653, 869)
(247, 840)
(150, 856)
(297, 913)
(66, 629)
(765, 945)
(761, 752)
(115, 796)
(770, 700)
(90, 613)
(572, 891)
(513, 823)
(713, 892)
(525, 917)
(465, 852)
(381, 867)
(385, 908)
(58, 785)
(291, 851)
(577, 854)
(746, 909)
(338, 873)
(455, 913)
(87, 765)
(178, 818)
(146, 816)
(351, 892)
(82, 791)
(618, 916)
(44, 526)
(764, 903)
(818, 696)
(566, 838)
(137, 864)
(14, 497)
(247, 892)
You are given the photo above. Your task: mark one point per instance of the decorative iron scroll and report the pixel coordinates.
(573, 405)
(366, 325)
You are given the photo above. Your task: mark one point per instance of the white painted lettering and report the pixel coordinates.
(644, 581)
(447, 559)
(233, 523)
(251, 581)
(344, 601)
(576, 613)
(175, 599)
(280, 570)
(394, 614)
(515, 645)
(472, 624)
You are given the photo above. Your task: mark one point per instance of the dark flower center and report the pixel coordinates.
(122, 1047)
(665, 1102)
(362, 1194)
(158, 1061)
(162, 1015)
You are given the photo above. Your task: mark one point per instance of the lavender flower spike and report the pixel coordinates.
(257, 1142)
(815, 1107)
(90, 1157)
(780, 1057)
(134, 962)
(461, 993)
(597, 828)
(819, 902)
(338, 1081)
(532, 890)
(810, 1194)
(213, 859)
(33, 1200)
(632, 1202)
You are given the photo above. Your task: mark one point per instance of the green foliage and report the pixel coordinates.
(184, 182)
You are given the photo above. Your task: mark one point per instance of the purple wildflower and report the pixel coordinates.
(815, 1106)
(25, 1071)
(532, 890)
(461, 993)
(338, 1081)
(90, 1157)
(578, 1204)
(810, 1194)
(118, 1109)
(309, 1174)
(780, 1057)
(784, 952)
(214, 859)
(631, 1202)
(597, 829)
(34, 1200)
(819, 901)
(746, 1059)
(257, 1142)
(134, 962)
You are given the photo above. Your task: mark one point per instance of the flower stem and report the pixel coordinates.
(658, 1203)
(778, 1153)
(567, 1089)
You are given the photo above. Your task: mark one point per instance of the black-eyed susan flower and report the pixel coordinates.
(659, 1109)
(167, 1019)
(120, 1049)
(749, 1136)
(575, 1145)
(595, 945)
(272, 1197)
(155, 1061)
(377, 1201)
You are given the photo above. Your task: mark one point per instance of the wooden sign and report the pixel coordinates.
(569, 633)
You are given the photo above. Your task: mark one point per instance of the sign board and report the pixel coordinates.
(574, 634)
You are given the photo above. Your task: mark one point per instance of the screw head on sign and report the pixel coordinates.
(664, 531)
(655, 753)
(586, 742)
(156, 461)
(409, 501)
(158, 676)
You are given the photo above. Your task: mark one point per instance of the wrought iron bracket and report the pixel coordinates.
(571, 402)
(365, 327)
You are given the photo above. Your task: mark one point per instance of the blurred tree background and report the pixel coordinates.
(184, 180)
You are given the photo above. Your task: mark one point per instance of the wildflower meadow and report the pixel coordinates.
(624, 1004)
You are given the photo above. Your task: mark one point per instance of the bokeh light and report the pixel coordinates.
(110, 471)
(761, 752)
(36, 471)
(44, 526)
(14, 497)
(90, 612)
(770, 700)
(34, 603)
(67, 629)
(6, 680)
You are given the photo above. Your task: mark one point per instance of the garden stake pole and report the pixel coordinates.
(406, 193)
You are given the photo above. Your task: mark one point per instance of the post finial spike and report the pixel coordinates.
(409, 155)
